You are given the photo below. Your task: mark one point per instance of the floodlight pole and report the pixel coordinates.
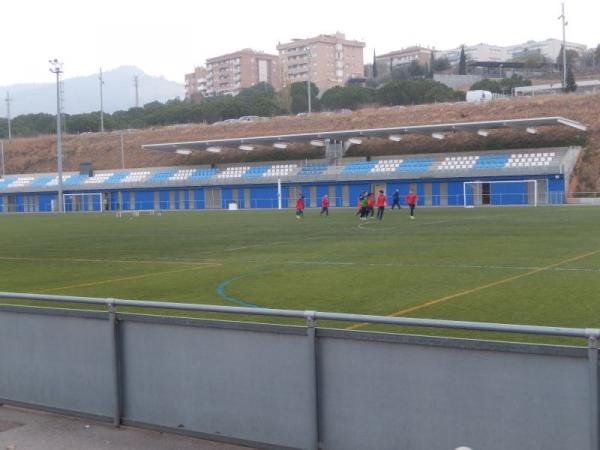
(56, 68)
(564, 47)
(2, 156)
(101, 102)
(309, 56)
(8, 100)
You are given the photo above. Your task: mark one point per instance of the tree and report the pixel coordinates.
(504, 86)
(299, 94)
(409, 92)
(441, 64)
(375, 72)
(350, 97)
(572, 57)
(431, 65)
(571, 85)
(462, 62)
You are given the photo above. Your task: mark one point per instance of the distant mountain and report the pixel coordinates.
(82, 94)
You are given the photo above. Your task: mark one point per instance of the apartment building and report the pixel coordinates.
(195, 83)
(550, 48)
(228, 74)
(478, 52)
(329, 59)
(405, 57)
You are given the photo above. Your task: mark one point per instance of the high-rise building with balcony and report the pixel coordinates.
(195, 83)
(228, 74)
(332, 59)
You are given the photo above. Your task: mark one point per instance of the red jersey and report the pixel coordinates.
(300, 203)
(411, 198)
(381, 200)
(371, 201)
(325, 202)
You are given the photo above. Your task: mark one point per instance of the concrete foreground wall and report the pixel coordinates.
(275, 386)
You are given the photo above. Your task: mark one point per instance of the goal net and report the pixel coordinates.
(83, 202)
(504, 192)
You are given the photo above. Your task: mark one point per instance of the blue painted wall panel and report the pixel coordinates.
(435, 194)
(199, 198)
(263, 197)
(144, 200)
(163, 198)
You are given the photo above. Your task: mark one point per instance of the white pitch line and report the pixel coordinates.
(439, 266)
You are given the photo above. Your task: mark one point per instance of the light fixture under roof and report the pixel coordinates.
(213, 149)
(183, 151)
(483, 133)
(438, 136)
(246, 148)
(317, 143)
(355, 141)
(531, 130)
(395, 137)
(280, 145)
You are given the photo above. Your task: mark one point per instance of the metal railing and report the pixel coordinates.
(312, 316)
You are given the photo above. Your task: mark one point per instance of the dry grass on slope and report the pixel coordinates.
(28, 155)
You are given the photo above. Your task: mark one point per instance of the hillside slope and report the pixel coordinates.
(28, 155)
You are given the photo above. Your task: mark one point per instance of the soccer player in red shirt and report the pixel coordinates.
(381, 202)
(325, 205)
(371, 204)
(300, 207)
(411, 201)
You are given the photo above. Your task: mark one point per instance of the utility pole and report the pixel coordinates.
(8, 100)
(136, 85)
(2, 156)
(564, 46)
(56, 68)
(309, 56)
(101, 102)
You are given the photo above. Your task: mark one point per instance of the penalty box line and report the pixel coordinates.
(446, 298)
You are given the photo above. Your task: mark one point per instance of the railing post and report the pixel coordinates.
(593, 380)
(114, 349)
(313, 378)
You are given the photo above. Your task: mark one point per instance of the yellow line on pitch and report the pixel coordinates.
(479, 288)
(116, 261)
(133, 277)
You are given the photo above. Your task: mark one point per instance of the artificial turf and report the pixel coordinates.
(510, 265)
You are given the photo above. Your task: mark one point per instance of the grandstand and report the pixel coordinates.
(438, 179)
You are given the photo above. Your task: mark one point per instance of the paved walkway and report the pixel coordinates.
(22, 429)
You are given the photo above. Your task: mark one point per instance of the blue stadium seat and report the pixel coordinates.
(42, 181)
(358, 167)
(415, 165)
(256, 171)
(491, 162)
(202, 173)
(4, 182)
(313, 169)
(161, 175)
(116, 178)
(75, 179)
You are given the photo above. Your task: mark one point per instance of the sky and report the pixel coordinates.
(170, 38)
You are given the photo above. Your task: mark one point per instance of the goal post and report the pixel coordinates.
(503, 192)
(83, 202)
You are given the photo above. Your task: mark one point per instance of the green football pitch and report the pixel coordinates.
(509, 265)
